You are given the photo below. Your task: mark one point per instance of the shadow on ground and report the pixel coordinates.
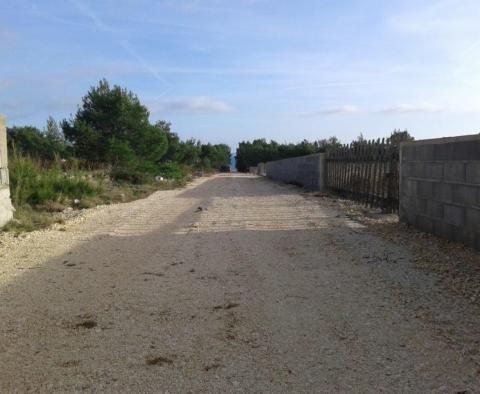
(290, 310)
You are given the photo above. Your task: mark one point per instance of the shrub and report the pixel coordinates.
(33, 184)
(172, 171)
(131, 175)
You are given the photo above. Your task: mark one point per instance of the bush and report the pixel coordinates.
(32, 184)
(172, 171)
(225, 168)
(131, 175)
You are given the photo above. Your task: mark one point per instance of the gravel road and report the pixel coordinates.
(234, 284)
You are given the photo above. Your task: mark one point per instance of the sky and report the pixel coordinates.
(234, 70)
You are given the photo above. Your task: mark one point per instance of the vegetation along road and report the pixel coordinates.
(232, 284)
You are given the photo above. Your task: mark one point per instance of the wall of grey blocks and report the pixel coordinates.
(440, 187)
(307, 171)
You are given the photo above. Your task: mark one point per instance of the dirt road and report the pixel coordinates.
(232, 285)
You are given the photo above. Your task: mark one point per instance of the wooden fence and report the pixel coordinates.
(366, 171)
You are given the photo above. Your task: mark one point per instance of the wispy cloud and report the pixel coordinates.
(98, 22)
(193, 105)
(17, 110)
(409, 108)
(344, 109)
(401, 109)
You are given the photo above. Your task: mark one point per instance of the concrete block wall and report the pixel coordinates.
(6, 208)
(307, 171)
(440, 187)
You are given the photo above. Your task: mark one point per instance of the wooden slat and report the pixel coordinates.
(367, 172)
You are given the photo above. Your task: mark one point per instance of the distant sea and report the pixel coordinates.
(233, 164)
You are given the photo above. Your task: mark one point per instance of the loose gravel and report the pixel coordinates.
(236, 284)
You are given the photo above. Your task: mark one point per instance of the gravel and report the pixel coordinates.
(265, 289)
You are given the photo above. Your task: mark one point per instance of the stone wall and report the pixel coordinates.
(440, 187)
(306, 171)
(6, 208)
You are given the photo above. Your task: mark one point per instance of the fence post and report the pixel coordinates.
(322, 173)
(6, 208)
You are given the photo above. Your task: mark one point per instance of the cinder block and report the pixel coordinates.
(406, 214)
(472, 219)
(4, 180)
(473, 172)
(443, 230)
(418, 169)
(3, 144)
(406, 169)
(418, 152)
(303, 171)
(425, 189)
(457, 150)
(415, 205)
(409, 187)
(454, 171)
(407, 153)
(454, 215)
(433, 171)
(463, 194)
(424, 223)
(413, 169)
(443, 152)
(434, 209)
(464, 235)
(443, 192)
(6, 208)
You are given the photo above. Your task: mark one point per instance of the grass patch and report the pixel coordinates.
(27, 219)
(41, 191)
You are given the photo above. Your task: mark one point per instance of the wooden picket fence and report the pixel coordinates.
(367, 172)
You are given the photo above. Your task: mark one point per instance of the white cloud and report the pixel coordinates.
(193, 105)
(401, 109)
(344, 109)
(428, 109)
(408, 108)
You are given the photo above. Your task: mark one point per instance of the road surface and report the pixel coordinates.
(234, 284)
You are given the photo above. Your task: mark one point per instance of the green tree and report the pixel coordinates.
(29, 141)
(111, 120)
(215, 156)
(398, 136)
(329, 145)
(55, 138)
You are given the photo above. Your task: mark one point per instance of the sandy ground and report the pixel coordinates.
(262, 290)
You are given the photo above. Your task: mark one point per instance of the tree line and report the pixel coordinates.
(112, 128)
(249, 154)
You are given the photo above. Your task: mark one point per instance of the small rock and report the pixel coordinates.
(158, 360)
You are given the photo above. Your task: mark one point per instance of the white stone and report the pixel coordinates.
(6, 207)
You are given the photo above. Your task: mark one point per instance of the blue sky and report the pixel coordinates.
(225, 71)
